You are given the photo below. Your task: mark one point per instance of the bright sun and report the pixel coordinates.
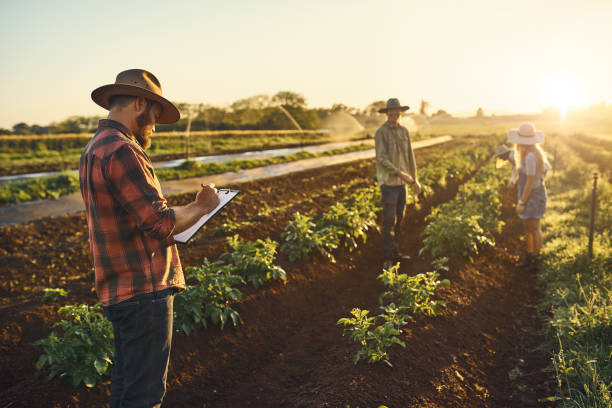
(562, 91)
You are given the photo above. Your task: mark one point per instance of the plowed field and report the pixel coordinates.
(289, 352)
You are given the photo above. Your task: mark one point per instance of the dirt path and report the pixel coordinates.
(290, 352)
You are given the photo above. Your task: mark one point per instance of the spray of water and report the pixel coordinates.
(343, 125)
(297, 125)
(409, 124)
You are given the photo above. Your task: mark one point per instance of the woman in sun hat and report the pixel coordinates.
(532, 166)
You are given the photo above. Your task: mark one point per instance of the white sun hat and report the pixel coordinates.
(526, 134)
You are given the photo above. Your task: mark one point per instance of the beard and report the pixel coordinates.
(145, 129)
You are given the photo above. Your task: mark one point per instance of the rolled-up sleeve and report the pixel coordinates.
(132, 182)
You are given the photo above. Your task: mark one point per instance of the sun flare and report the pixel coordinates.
(562, 91)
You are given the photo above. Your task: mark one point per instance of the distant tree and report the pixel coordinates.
(4, 131)
(253, 102)
(424, 107)
(39, 130)
(21, 128)
(183, 108)
(216, 118)
(248, 113)
(352, 110)
(288, 98)
(479, 113)
(274, 118)
(322, 113)
(339, 107)
(374, 107)
(74, 124)
(71, 125)
(307, 118)
(441, 114)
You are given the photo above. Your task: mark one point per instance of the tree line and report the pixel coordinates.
(263, 112)
(257, 112)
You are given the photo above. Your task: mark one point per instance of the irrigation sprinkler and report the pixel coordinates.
(190, 112)
(297, 125)
(187, 135)
(593, 208)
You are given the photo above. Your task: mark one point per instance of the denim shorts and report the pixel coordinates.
(535, 207)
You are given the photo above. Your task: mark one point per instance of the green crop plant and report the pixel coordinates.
(209, 299)
(374, 342)
(254, 260)
(50, 187)
(53, 294)
(83, 351)
(347, 222)
(229, 227)
(350, 219)
(460, 227)
(453, 234)
(413, 294)
(301, 237)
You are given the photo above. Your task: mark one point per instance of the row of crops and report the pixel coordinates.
(80, 348)
(53, 187)
(37, 153)
(63, 142)
(458, 228)
(577, 287)
(593, 149)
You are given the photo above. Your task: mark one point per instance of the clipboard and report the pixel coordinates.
(225, 196)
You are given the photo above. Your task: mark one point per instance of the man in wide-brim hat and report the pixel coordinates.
(393, 103)
(395, 167)
(136, 263)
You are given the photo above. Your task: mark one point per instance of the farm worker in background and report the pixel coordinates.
(395, 167)
(532, 166)
(136, 262)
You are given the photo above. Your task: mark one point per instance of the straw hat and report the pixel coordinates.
(393, 103)
(526, 134)
(137, 82)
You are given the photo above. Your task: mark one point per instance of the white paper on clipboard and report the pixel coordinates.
(225, 196)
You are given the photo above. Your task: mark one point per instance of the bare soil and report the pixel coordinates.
(480, 351)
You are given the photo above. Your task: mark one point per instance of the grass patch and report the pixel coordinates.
(578, 288)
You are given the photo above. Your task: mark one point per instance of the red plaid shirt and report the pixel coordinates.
(130, 223)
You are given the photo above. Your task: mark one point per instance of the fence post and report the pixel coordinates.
(593, 207)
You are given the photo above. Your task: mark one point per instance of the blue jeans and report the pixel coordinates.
(142, 327)
(393, 205)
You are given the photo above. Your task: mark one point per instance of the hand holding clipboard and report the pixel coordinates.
(225, 196)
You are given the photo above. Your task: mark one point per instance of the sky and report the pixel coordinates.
(504, 56)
